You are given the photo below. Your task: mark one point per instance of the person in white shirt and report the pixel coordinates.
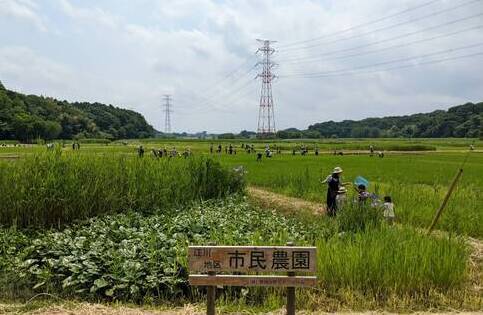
(341, 198)
(388, 208)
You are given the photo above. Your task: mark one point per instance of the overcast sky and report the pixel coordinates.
(391, 58)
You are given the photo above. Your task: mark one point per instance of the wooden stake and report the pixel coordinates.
(211, 293)
(290, 292)
(445, 200)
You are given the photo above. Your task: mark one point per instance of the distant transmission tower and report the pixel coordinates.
(266, 117)
(167, 113)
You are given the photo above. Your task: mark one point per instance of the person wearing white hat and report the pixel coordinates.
(341, 198)
(334, 184)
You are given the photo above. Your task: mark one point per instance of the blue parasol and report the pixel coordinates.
(361, 181)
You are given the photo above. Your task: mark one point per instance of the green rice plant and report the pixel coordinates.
(416, 182)
(54, 189)
(355, 217)
(390, 260)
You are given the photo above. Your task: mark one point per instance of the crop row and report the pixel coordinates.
(55, 189)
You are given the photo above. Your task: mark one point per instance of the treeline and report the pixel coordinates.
(29, 117)
(458, 121)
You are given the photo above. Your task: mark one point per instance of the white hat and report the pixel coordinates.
(337, 170)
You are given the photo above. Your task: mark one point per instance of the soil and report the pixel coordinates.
(286, 204)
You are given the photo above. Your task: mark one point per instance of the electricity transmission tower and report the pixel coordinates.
(266, 118)
(167, 113)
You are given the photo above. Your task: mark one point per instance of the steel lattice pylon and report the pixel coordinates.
(266, 117)
(167, 111)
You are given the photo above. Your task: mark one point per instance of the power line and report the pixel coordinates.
(238, 95)
(361, 25)
(386, 27)
(222, 103)
(233, 94)
(210, 88)
(320, 57)
(226, 92)
(393, 61)
(346, 73)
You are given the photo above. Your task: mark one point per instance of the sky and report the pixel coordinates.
(334, 59)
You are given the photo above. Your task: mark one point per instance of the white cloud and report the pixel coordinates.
(24, 63)
(131, 54)
(23, 10)
(94, 14)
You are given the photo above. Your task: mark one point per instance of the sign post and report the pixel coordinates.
(208, 262)
(290, 293)
(211, 296)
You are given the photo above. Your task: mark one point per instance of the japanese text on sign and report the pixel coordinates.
(257, 259)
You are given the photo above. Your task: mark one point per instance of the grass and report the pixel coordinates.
(55, 189)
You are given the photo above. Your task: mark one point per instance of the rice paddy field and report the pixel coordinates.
(101, 224)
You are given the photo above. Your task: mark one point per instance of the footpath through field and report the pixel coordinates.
(286, 204)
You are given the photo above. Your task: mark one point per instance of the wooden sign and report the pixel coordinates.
(252, 259)
(249, 280)
(247, 259)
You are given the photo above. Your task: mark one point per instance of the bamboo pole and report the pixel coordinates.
(445, 200)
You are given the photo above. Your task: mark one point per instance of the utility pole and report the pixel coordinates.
(266, 117)
(167, 113)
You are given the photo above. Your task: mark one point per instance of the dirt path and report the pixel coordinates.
(99, 309)
(284, 203)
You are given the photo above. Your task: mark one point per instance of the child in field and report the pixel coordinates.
(388, 208)
(362, 193)
(341, 198)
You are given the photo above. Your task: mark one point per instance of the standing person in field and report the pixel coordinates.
(211, 148)
(341, 198)
(140, 151)
(388, 208)
(334, 183)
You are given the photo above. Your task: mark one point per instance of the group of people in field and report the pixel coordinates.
(337, 196)
(268, 152)
(160, 153)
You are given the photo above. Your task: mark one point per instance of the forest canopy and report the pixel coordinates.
(29, 117)
(458, 121)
